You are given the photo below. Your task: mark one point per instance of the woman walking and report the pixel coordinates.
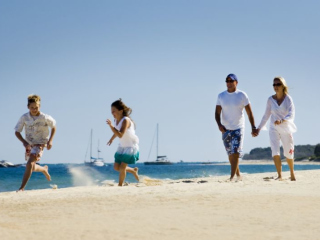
(280, 109)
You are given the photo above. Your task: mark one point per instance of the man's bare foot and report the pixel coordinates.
(293, 178)
(279, 179)
(20, 190)
(135, 174)
(46, 173)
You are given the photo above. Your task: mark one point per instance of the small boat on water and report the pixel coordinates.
(6, 164)
(94, 161)
(160, 160)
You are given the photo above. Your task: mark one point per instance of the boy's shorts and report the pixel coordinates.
(233, 141)
(36, 150)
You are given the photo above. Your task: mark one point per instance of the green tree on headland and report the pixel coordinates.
(311, 152)
(317, 150)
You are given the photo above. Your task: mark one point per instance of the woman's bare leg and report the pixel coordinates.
(291, 166)
(277, 163)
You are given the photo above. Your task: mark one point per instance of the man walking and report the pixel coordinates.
(230, 119)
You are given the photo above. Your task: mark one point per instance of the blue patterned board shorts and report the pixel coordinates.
(232, 140)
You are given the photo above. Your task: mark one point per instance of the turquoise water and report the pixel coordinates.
(69, 175)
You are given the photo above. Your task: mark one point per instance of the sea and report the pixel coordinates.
(72, 175)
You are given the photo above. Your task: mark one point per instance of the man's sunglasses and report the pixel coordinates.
(230, 81)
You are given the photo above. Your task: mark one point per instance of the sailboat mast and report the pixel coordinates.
(91, 146)
(157, 140)
(98, 149)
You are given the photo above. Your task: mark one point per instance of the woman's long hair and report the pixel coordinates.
(284, 84)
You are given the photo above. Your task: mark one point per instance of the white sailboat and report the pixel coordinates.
(160, 160)
(6, 164)
(94, 161)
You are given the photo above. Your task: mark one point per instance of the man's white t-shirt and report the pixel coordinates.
(232, 105)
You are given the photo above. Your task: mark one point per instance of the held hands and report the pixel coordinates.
(255, 132)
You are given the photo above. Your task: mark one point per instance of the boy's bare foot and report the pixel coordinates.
(46, 173)
(136, 175)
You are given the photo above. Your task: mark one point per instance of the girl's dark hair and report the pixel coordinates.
(126, 110)
(121, 106)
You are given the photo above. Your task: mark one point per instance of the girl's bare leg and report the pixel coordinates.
(116, 166)
(134, 171)
(122, 173)
(291, 166)
(277, 163)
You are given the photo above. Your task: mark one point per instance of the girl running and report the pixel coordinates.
(128, 150)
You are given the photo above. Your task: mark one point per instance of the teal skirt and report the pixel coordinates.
(128, 155)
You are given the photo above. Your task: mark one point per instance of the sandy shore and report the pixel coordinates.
(206, 208)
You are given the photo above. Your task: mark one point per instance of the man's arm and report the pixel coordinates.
(218, 119)
(251, 120)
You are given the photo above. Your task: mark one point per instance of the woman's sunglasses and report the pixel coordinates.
(277, 84)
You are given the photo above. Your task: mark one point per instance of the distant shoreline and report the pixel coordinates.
(267, 162)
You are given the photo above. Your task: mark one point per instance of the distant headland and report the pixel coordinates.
(301, 152)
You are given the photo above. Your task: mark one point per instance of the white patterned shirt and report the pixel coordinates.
(37, 128)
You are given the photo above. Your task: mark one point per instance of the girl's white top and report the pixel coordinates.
(129, 138)
(36, 127)
(285, 111)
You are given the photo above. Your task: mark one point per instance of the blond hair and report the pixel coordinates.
(34, 99)
(284, 84)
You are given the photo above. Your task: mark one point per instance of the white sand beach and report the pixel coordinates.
(210, 209)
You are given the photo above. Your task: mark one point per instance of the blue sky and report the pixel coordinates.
(166, 59)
